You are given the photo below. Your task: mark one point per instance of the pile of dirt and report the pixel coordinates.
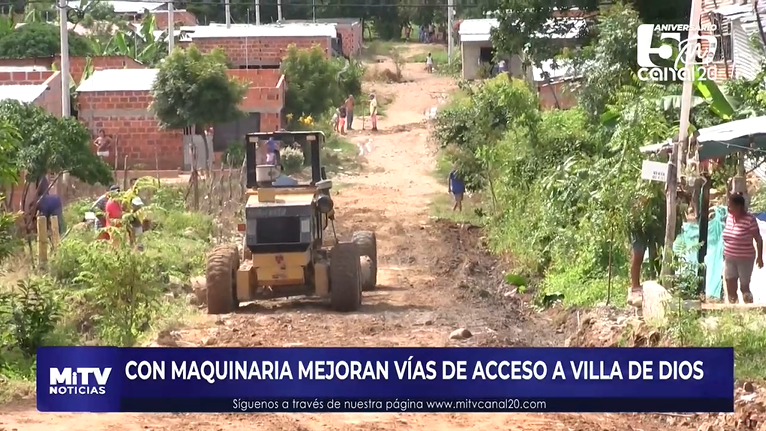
(475, 277)
(609, 327)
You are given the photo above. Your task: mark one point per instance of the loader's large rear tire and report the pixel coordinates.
(367, 244)
(345, 277)
(221, 278)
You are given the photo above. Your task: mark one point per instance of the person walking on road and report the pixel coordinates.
(349, 111)
(457, 188)
(739, 254)
(374, 112)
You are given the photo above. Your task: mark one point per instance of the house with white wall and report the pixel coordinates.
(477, 50)
(747, 46)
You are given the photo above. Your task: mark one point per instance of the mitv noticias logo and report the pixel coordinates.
(80, 381)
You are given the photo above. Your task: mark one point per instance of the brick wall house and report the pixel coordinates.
(256, 46)
(558, 94)
(40, 87)
(76, 64)
(350, 31)
(117, 101)
(721, 13)
(181, 18)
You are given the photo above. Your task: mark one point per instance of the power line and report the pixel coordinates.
(274, 3)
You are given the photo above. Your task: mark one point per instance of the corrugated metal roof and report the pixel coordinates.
(478, 30)
(268, 30)
(119, 80)
(563, 69)
(22, 93)
(733, 10)
(747, 61)
(123, 6)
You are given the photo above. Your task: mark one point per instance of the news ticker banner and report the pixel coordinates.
(110, 379)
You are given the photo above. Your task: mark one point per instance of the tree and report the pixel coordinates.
(192, 88)
(528, 26)
(51, 144)
(315, 83)
(40, 40)
(610, 61)
(9, 143)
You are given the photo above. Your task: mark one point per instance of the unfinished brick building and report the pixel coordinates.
(32, 85)
(259, 46)
(117, 101)
(350, 31)
(76, 64)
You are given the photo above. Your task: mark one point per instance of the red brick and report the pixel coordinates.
(141, 139)
(351, 35)
(259, 50)
(181, 18)
(560, 92)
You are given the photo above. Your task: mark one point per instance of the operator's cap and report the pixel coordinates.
(137, 202)
(114, 188)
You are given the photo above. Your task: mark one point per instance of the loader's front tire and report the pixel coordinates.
(367, 244)
(221, 277)
(345, 277)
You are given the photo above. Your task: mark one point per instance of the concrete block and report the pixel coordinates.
(655, 299)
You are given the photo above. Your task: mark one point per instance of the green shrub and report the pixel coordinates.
(316, 84)
(292, 160)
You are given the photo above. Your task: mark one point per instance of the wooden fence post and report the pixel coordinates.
(42, 241)
(55, 236)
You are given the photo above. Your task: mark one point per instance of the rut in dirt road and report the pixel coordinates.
(434, 277)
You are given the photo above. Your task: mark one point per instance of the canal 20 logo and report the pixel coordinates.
(81, 381)
(704, 69)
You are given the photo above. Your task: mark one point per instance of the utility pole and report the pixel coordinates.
(314, 10)
(279, 10)
(257, 12)
(171, 28)
(228, 14)
(674, 165)
(66, 110)
(450, 13)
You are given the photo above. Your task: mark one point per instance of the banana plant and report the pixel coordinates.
(7, 25)
(145, 47)
(77, 14)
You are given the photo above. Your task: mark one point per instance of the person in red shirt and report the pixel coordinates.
(742, 249)
(112, 216)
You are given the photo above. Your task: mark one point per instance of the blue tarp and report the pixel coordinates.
(687, 243)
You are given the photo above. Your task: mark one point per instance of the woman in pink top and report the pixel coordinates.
(739, 254)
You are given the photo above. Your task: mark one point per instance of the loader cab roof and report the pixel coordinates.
(308, 142)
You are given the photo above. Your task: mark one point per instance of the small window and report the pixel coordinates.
(725, 46)
(486, 55)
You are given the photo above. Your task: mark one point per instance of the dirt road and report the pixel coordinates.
(433, 279)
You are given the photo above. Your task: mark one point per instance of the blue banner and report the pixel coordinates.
(110, 379)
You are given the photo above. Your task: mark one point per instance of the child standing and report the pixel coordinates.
(336, 120)
(457, 188)
(342, 121)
